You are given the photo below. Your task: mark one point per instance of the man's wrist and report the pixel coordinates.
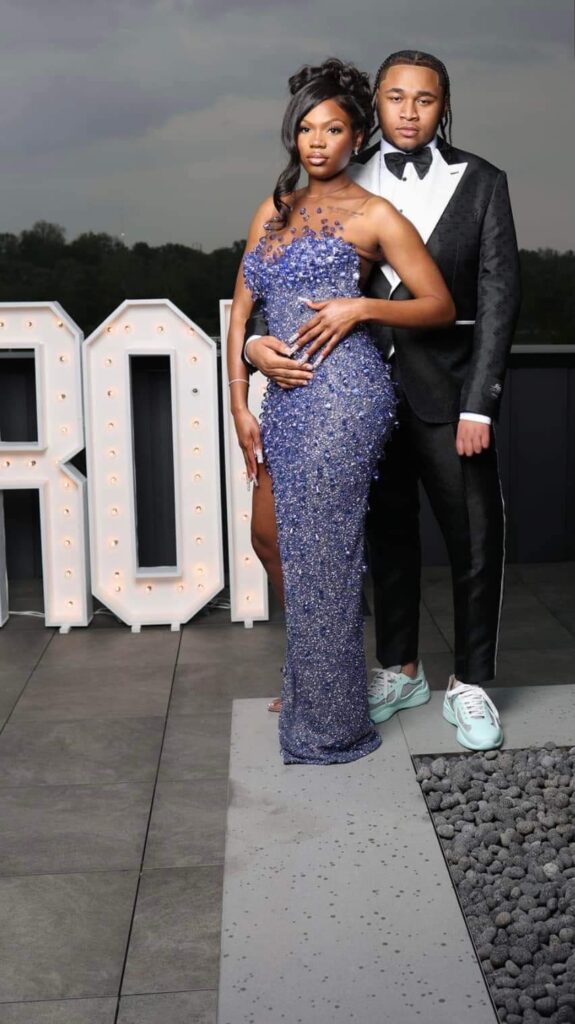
(376, 310)
(475, 417)
(252, 337)
(364, 309)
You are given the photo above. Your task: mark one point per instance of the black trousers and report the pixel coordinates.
(465, 494)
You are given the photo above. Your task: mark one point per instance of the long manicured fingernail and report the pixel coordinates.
(293, 338)
(259, 455)
(318, 362)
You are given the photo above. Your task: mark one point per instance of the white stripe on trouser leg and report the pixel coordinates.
(503, 565)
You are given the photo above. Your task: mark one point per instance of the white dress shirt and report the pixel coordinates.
(410, 193)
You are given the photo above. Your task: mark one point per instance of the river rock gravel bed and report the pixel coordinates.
(506, 822)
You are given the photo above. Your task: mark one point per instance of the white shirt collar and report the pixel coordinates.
(386, 147)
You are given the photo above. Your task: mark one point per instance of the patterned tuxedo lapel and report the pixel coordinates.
(447, 177)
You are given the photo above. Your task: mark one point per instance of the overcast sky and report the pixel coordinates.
(159, 120)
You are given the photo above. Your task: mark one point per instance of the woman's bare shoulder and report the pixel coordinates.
(262, 217)
(265, 210)
(380, 207)
(386, 220)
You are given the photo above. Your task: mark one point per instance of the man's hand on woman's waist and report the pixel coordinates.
(273, 358)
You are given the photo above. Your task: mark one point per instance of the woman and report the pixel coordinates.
(311, 249)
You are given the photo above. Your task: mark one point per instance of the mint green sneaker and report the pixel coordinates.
(475, 715)
(388, 692)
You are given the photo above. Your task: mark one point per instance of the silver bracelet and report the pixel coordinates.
(237, 380)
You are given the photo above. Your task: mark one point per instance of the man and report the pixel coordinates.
(450, 383)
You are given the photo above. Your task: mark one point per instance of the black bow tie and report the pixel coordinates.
(421, 160)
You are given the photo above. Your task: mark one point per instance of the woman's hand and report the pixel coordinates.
(334, 320)
(250, 441)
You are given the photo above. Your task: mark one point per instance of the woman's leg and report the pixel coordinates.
(264, 532)
(265, 542)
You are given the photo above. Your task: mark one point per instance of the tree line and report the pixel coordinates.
(93, 273)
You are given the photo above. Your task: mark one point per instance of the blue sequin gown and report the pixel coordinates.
(321, 445)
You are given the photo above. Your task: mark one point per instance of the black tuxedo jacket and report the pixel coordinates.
(445, 371)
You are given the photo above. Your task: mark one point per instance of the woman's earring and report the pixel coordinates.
(356, 151)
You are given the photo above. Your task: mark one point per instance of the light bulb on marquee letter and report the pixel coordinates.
(152, 594)
(44, 464)
(248, 580)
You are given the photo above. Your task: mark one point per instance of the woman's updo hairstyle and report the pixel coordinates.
(332, 80)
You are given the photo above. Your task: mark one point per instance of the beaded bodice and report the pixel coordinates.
(302, 262)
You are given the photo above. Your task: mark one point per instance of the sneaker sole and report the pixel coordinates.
(461, 738)
(413, 701)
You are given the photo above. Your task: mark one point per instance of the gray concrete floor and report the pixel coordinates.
(113, 791)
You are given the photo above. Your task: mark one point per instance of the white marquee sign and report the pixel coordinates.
(155, 594)
(103, 559)
(248, 579)
(54, 339)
